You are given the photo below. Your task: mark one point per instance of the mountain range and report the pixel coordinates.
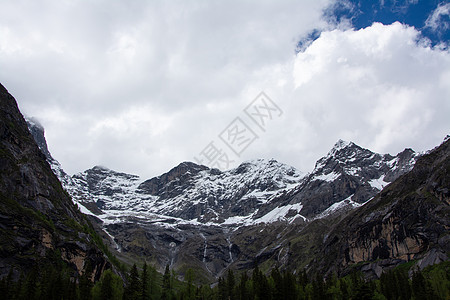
(257, 191)
(262, 212)
(355, 211)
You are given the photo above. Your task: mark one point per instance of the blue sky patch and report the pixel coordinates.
(417, 13)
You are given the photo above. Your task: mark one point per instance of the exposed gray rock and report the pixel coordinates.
(433, 257)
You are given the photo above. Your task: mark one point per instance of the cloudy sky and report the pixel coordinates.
(140, 86)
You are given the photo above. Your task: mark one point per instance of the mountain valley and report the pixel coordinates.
(356, 210)
(261, 213)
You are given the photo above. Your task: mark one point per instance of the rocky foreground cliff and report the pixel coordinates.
(39, 223)
(407, 221)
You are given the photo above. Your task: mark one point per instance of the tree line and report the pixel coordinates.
(146, 283)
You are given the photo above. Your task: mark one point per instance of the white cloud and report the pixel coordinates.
(375, 86)
(97, 73)
(436, 20)
(141, 86)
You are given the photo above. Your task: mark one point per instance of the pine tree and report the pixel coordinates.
(344, 288)
(56, 285)
(318, 288)
(278, 292)
(222, 289)
(230, 285)
(154, 287)
(290, 292)
(395, 285)
(166, 284)
(7, 289)
(244, 293)
(85, 283)
(256, 280)
(106, 290)
(364, 291)
(109, 287)
(387, 284)
(19, 286)
(30, 286)
(261, 286)
(403, 284)
(303, 279)
(133, 287)
(144, 283)
(72, 289)
(190, 289)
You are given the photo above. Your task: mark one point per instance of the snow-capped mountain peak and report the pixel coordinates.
(102, 168)
(339, 145)
(349, 170)
(259, 190)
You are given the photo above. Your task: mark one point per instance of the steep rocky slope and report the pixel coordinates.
(408, 221)
(39, 224)
(349, 175)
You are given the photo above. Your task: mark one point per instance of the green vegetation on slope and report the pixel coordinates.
(400, 283)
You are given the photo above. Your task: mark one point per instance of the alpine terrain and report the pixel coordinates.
(202, 218)
(356, 211)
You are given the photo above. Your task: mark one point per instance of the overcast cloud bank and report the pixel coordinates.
(141, 87)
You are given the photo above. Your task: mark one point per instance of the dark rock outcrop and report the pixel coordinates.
(39, 224)
(407, 221)
(349, 171)
(169, 184)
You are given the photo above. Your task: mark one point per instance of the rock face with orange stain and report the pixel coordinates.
(39, 223)
(408, 221)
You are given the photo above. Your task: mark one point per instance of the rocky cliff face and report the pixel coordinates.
(407, 221)
(38, 221)
(347, 177)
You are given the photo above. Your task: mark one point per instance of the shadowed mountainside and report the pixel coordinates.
(39, 223)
